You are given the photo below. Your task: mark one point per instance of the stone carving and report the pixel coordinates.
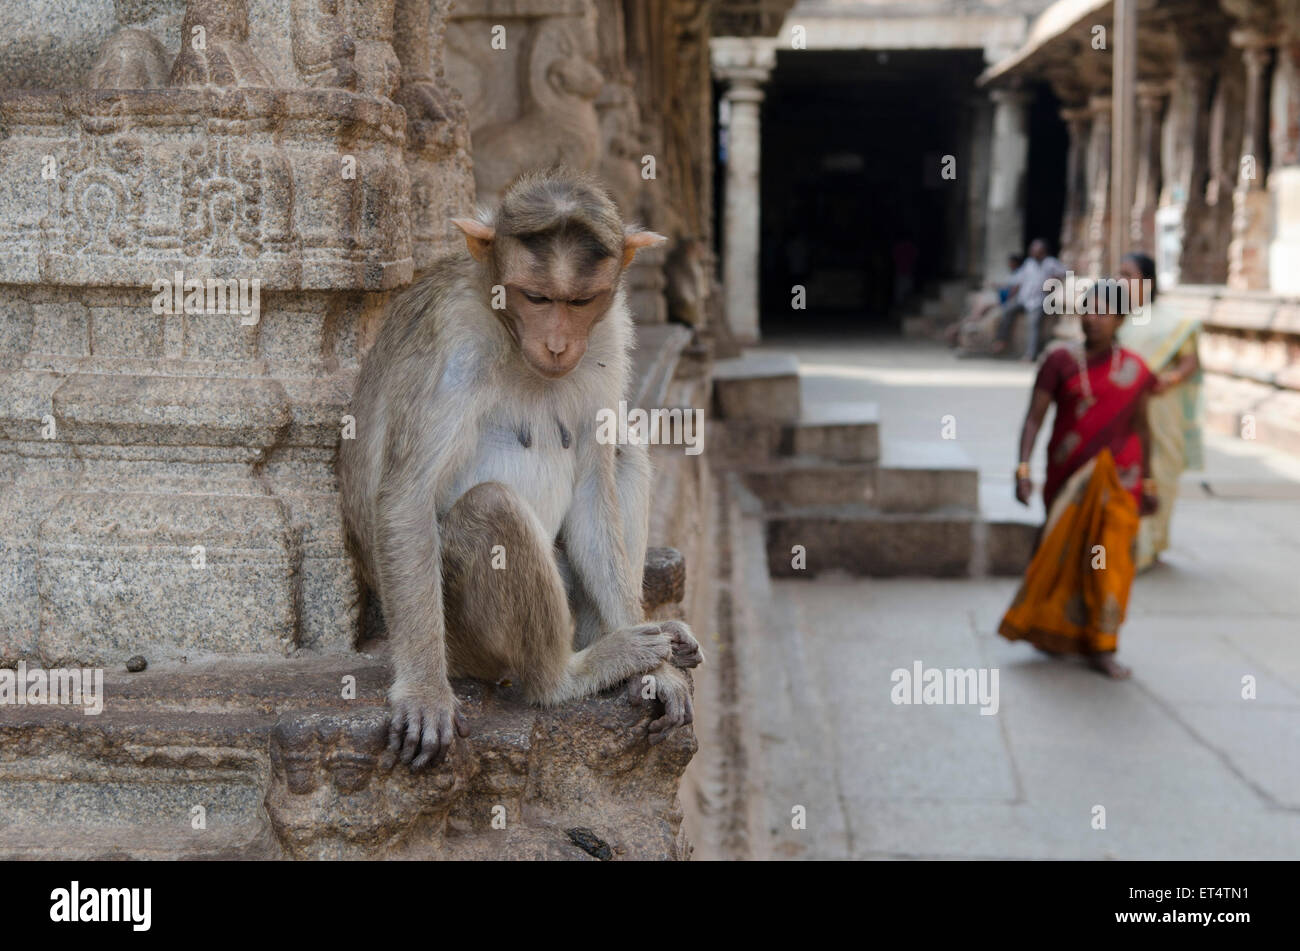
(222, 209)
(101, 197)
(214, 47)
(375, 30)
(620, 162)
(323, 50)
(130, 59)
(515, 789)
(559, 123)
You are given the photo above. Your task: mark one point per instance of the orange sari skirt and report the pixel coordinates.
(1075, 593)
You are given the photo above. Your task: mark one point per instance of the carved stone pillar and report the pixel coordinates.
(1248, 251)
(1185, 156)
(1097, 238)
(195, 255)
(744, 64)
(1078, 121)
(1284, 175)
(1150, 102)
(1004, 221)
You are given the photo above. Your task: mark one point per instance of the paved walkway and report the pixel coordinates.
(1183, 766)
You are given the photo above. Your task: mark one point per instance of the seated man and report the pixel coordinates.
(1038, 268)
(974, 333)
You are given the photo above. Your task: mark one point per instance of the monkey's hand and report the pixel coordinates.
(686, 649)
(667, 685)
(421, 725)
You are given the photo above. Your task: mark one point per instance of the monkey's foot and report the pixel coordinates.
(686, 649)
(422, 728)
(674, 693)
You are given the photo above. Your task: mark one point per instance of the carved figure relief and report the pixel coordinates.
(214, 48)
(559, 123)
(323, 49)
(130, 59)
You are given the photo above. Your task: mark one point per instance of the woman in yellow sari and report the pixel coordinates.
(1168, 344)
(1075, 593)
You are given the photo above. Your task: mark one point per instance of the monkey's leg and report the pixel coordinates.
(507, 609)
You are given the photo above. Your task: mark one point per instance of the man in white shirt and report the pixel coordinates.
(1039, 267)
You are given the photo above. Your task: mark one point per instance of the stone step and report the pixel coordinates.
(803, 480)
(867, 541)
(758, 385)
(67, 819)
(843, 431)
(925, 475)
(1008, 529)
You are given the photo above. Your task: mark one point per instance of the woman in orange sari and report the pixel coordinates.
(1075, 593)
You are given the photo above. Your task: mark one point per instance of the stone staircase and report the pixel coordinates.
(837, 496)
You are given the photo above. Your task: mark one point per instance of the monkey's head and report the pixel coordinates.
(558, 247)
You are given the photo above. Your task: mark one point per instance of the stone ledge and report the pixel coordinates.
(295, 771)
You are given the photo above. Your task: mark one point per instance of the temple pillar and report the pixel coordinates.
(1078, 121)
(1248, 251)
(744, 64)
(1284, 175)
(1184, 155)
(1004, 220)
(1142, 221)
(1097, 237)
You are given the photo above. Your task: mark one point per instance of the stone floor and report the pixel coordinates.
(1182, 764)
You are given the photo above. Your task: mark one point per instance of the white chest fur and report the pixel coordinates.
(529, 455)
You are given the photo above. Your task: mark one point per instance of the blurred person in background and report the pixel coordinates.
(974, 333)
(1038, 268)
(1168, 343)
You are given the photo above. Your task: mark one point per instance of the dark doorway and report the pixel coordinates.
(1049, 145)
(854, 191)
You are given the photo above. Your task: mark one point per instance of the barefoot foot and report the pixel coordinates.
(1108, 665)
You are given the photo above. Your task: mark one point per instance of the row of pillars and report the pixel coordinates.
(1166, 192)
(1170, 184)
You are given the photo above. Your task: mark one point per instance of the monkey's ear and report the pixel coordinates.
(634, 241)
(478, 236)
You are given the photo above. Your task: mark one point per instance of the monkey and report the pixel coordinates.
(502, 539)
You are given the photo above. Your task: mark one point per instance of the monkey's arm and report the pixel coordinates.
(419, 455)
(611, 512)
(606, 527)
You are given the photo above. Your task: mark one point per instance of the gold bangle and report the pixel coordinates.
(1022, 471)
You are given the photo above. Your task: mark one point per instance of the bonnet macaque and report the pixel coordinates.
(503, 540)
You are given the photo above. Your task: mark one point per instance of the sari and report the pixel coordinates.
(1075, 592)
(1163, 340)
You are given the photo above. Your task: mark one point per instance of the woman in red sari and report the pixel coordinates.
(1075, 593)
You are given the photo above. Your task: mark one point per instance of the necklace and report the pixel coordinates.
(1081, 358)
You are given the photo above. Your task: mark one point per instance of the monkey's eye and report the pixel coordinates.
(536, 299)
(581, 303)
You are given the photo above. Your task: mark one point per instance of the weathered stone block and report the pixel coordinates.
(117, 576)
(848, 432)
(917, 476)
(758, 386)
(865, 542)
